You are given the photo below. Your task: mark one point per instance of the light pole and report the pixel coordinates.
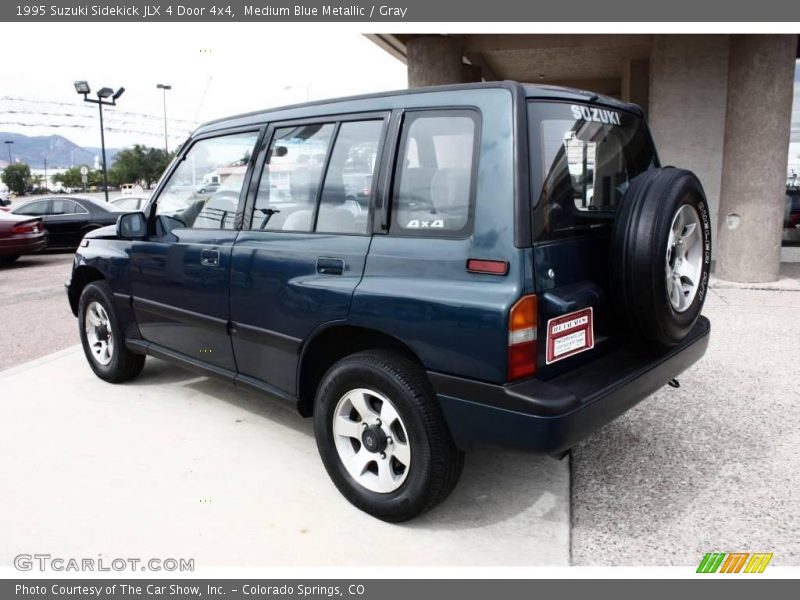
(45, 174)
(82, 87)
(8, 145)
(164, 87)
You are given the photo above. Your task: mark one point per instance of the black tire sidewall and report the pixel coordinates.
(411, 496)
(676, 325)
(100, 292)
(640, 239)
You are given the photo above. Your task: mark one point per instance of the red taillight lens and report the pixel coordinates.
(26, 228)
(489, 267)
(522, 338)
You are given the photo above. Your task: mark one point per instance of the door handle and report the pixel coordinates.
(209, 258)
(330, 266)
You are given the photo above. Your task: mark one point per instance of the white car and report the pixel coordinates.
(130, 203)
(129, 189)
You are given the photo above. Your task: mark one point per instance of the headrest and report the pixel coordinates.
(450, 189)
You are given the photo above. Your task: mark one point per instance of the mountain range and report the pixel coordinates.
(56, 149)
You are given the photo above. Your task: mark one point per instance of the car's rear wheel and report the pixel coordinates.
(102, 338)
(661, 255)
(382, 436)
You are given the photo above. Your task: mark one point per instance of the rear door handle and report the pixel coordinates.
(209, 258)
(330, 266)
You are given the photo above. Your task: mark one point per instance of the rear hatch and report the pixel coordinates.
(583, 156)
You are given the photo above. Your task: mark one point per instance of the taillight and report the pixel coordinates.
(489, 267)
(522, 338)
(26, 228)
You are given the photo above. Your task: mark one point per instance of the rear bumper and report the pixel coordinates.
(552, 416)
(22, 245)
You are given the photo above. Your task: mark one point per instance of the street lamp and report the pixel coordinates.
(164, 87)
(8, 144)
(82, 87)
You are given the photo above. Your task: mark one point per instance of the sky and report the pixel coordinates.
(214, 72)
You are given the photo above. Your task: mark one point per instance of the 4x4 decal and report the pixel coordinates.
(420, 224)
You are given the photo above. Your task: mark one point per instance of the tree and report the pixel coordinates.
(71, 178)
(16, 176)
(139, 164)
(36, 181)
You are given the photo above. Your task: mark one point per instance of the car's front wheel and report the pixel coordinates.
(382, 436)
(102, 338)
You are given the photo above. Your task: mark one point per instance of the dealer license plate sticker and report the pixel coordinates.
(570, 334)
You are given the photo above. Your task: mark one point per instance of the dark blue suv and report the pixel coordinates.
(423, 272)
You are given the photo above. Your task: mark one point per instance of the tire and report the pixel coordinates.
(434, 464)
(118, 364)
(7, 260)
(661, 255)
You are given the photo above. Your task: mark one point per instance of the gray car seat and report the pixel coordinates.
(303, 183)
(415, 192)
(334, 217)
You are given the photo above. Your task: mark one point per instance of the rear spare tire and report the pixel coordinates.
(661, 255)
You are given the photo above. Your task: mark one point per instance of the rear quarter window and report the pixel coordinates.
(435, 173)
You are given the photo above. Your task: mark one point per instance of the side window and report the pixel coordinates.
(203, 192)
(63, 206)
(33, 208)
(434, 174)
(346, 193)
(287, 191)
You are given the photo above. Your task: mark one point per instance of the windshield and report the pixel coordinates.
(583, 158)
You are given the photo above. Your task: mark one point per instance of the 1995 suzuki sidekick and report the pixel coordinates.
(423, 272)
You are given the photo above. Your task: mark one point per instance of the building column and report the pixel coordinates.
(437, 60)
(688, 86)
(636, 82)
(755, 151)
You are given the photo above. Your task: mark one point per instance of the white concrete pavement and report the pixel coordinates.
(175, 465)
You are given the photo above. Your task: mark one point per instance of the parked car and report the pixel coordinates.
(208, 188)
(791, 219)
(68, 218)
(20, 235)
(130, 189)
(481, 298)
(130, 203)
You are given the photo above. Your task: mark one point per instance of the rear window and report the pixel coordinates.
(582, 161)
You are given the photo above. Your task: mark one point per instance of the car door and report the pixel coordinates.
(179, 275)
(302, 249)
(65, 222)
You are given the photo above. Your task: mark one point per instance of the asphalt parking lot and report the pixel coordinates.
(179, 465)
(35, 318)
(709, 466)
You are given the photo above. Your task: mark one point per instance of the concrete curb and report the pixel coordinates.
(32, 364)
(784, 284)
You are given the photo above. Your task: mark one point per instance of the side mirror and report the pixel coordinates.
(132, 226)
